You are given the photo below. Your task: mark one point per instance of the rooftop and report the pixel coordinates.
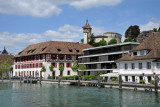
(114, 45)
(151, 43)
(54, 47)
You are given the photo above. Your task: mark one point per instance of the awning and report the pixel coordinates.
(110, 75)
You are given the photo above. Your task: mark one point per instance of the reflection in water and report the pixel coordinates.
(36, 95)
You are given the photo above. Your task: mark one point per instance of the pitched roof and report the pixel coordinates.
(54, 47)
(87, 26)
(5, 57)
(151, 43)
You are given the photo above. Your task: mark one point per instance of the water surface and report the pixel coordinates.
(52, 95)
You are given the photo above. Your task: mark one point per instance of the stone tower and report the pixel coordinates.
(87, 32)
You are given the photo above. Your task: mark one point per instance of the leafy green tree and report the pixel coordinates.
(92, 40)
(132, 32)
(82, 40)
(82, 67)
(43, 69)
(159, 29)
(4, 66)
(51, 67)
(130, 40)
(61, 68)
(112, 41)
(75, 68)
(155, 30)
(102, 42)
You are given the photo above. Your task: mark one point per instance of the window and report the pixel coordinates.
(61, 64)
(158, 65)
(77, 50)
(43, 48)
(148, 65)
(53, 56)
(134, 53)
(40, 65)
(70, 50)
(54, 64)
(36, 65)
(126, 66)
(140, 66)
(142, 52)
(132, 66)
(68, 57)
(61, 57)
(140, 78)
(68, 72)
(149, 78)
(68, 65)
(126, 78)
(59, 50)
(41, 57)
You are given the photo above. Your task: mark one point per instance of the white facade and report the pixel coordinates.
(85, 38)
(138, 69)
(35, 71)
(109, 36)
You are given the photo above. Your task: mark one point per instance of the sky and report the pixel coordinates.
(26, 22)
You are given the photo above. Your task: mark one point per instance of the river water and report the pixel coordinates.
(52, 95)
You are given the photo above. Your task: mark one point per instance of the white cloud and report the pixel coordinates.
(15, 42)
(85, 4)
(98, 30)
(150, 25)
(46, 8)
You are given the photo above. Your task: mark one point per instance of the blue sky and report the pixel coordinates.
(25, 22)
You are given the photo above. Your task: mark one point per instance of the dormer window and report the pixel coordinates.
(70, 50)
(77, 50)
(43, 48)
(59, 50)
(134, 53)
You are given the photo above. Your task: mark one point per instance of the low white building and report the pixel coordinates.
(30, 60)
(143, 62)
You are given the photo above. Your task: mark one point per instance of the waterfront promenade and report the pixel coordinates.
(131, 86)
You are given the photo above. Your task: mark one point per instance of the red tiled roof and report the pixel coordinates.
(151, 43)
(54, 47)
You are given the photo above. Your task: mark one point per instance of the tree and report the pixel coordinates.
(92, 40)
(82, 40)
(4, 66)
(132, 32)
(43, 69)
(102, 42)
(82, 67)
(61, 68)
(155, 29)
(75, 67)
(112, 41)
(159, 29)
(51, 67)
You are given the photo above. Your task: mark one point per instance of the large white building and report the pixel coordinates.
(30, 60)
(143, 62)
